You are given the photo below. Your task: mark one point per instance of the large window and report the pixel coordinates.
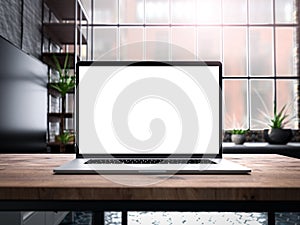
(256, 40)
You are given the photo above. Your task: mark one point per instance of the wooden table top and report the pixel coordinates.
(30, 177)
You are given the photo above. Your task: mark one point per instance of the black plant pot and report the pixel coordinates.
(278, 136)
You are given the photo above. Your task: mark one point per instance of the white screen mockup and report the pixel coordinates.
(148, 109)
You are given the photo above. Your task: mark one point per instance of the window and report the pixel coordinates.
(256, 40)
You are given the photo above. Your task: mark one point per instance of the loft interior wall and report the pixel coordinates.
(10, 21)
(21, 24)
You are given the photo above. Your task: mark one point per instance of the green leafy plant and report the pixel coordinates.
(239, 131)
(278, 121)
(65, 138)
(66, 82)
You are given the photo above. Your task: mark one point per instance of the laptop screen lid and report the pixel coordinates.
(148, 109)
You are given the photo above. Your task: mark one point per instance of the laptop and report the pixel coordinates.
(149, 117)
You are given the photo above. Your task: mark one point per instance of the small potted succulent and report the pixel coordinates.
(238, 136)
(65, 138)
(277, 134)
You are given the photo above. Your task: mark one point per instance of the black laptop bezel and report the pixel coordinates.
(147, 63)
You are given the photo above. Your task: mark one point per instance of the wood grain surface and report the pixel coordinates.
(30, 177)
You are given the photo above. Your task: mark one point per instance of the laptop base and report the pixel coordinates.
(222, 166)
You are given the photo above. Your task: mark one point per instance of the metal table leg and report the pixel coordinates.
(124, 217)
(271, 218)
(98, 218)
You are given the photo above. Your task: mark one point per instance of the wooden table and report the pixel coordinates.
(27, 182)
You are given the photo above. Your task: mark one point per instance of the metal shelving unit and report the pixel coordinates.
(63, 35)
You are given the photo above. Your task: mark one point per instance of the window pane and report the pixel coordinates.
(183, 43)
(209, 12)
(235, 51)
(235, 11)
(285, 11)
(244, 50)
(261, 11)
(262, 98)
(86, 51)
(209, 43)
(235, 92)
(106, 11)
(105, 43)
(157, 45)
(157, 11)
(286, 51)
(131, 43)
(131, 11)
(261, 51)
(287, 95)
(183, 11)
(87, 7)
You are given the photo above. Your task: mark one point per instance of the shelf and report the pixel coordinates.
(63, 33)
(65, 9)
(58, 143)
(56, 147)
(56, 117)
(291, 149)
(47, 58)
(65, 115)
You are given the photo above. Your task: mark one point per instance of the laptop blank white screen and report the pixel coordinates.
(148, 109)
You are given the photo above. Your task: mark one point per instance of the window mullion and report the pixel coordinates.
(248, 69)
(274, 53)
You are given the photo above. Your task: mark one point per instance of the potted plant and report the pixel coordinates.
(277, 134)
(66, 82)
(65, 138)
(238, 136)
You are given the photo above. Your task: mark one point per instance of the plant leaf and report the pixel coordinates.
(56, 62)
(66, 61)
(281, 111)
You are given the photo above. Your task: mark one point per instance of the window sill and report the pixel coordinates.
(291, 149)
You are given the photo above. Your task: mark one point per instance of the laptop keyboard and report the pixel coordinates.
(149, 161)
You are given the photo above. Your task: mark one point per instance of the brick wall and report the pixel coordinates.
(21, 24)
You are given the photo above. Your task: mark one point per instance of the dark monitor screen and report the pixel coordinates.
(23, 101)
